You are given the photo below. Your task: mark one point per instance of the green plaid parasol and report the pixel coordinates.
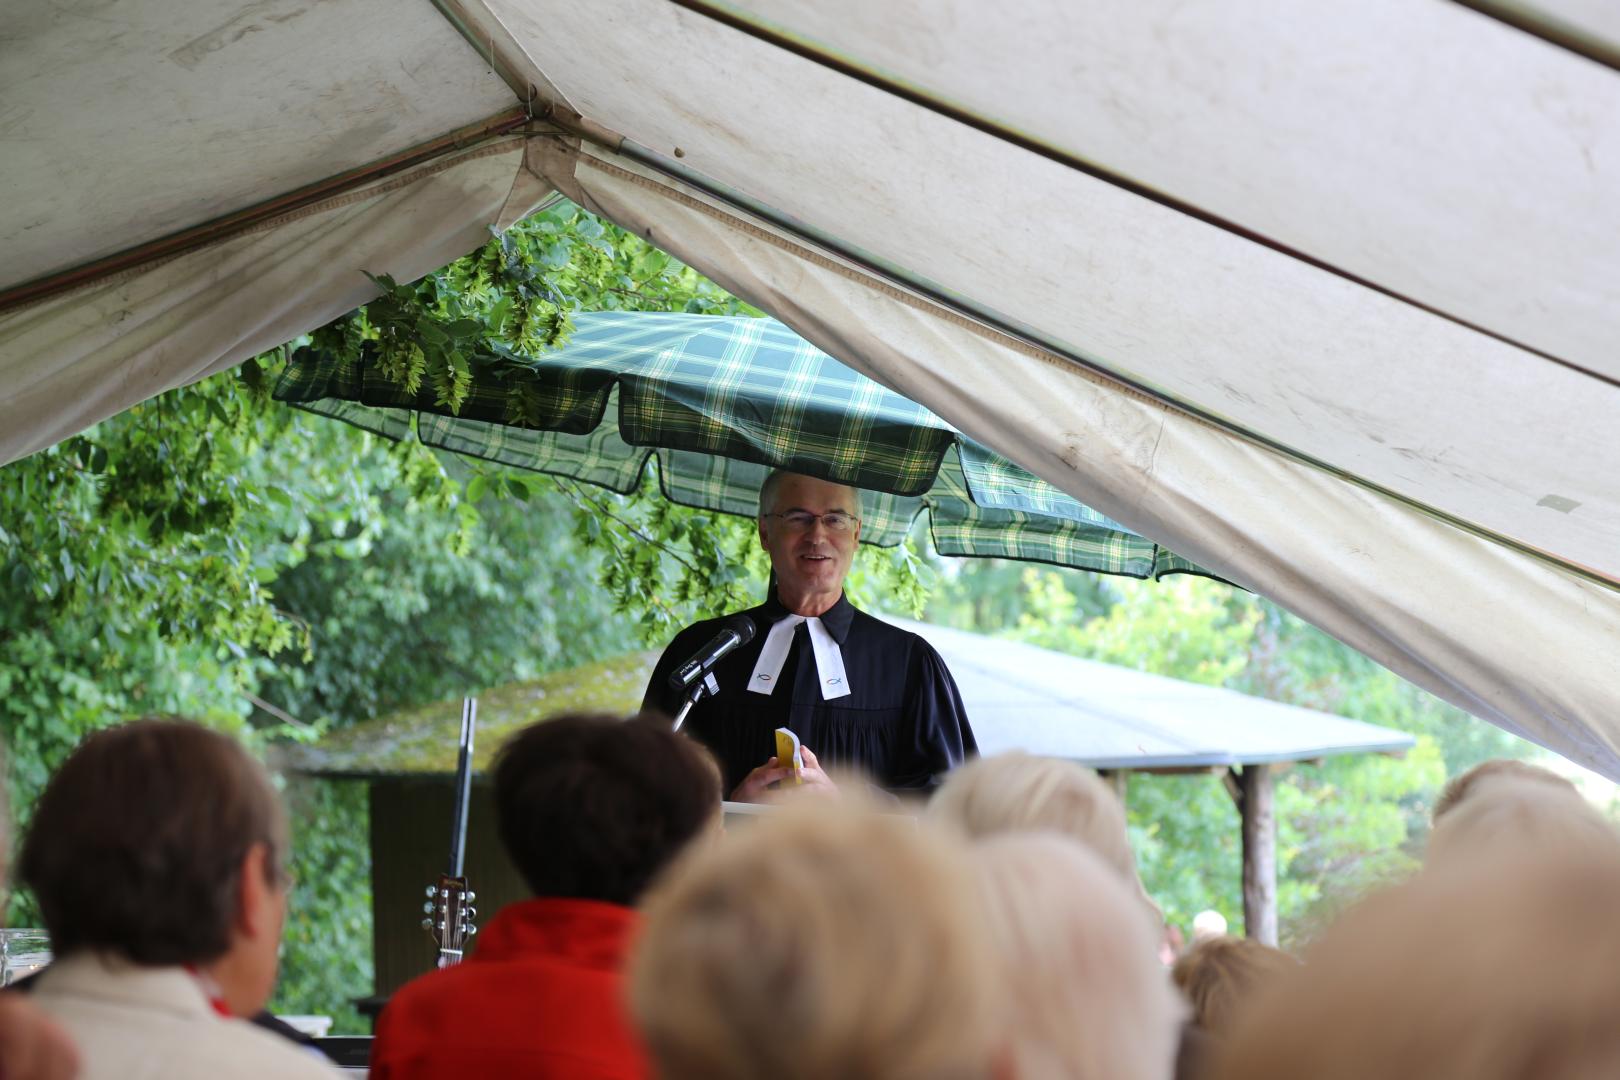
(720, 401)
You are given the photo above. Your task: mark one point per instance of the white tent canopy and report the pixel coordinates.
(1320, 296)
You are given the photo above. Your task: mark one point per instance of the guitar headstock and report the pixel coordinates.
(450, 917)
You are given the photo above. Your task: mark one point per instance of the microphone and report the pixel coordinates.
(735, 631)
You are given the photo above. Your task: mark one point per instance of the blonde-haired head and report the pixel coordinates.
(1484, 776)
(1483, 969)
(1019, 792)
(1088, 998)
(1509, 814)
(820, 943)
(1219, 974)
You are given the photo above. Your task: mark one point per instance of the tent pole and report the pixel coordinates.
(1118, 782)
(1532, 20)
(497, 59)
(1259, 853)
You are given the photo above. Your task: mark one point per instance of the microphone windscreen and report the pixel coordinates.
(744, 627)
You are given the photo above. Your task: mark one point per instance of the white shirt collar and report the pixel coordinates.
(829, 658)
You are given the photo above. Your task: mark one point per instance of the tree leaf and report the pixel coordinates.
(556, 255)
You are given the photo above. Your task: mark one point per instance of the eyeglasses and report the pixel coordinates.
(801, 520)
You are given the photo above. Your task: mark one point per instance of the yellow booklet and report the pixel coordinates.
(787, 754)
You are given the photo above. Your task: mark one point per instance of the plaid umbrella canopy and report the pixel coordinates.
(721, 400)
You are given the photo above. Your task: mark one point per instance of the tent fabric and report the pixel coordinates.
(1308, 280)
(1372, 126)
(122, 123)
(1511, 639)
(1266, 343)
(84, 355)
(724, 400)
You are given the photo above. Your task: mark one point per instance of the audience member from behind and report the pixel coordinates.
(1088, 1000)
(32, 1045)
(156, 857)
(811, 946)
(1510, 814)
(1483, 969)
(1019, 792)
(1219, 975)
(590, 809)
(1489, 774)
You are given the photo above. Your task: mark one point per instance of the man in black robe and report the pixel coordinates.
(856, 691)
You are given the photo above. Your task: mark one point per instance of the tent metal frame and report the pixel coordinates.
(1553, 31)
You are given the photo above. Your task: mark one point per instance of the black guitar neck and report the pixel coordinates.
(449, 910)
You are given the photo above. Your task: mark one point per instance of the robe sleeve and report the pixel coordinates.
(935, 734)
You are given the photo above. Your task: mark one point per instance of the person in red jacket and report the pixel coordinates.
(590, 809)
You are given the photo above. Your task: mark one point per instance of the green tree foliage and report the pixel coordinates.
(326, 944)
(390, 628)
(137, 558)
(514, 297)
(1179, 626)
(992, 596)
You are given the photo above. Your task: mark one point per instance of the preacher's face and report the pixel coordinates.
(811, 559)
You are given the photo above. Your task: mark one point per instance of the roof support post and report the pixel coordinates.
(1259, 853)
(1117, 781)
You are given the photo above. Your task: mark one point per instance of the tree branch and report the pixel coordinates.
(280, 714)
(572, 491)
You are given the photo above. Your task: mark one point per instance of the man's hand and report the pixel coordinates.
(815, 782)
(756, 786)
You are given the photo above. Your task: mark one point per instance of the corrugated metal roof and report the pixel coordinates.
(1022, 697)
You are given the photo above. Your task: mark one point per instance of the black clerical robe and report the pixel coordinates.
(902, 723)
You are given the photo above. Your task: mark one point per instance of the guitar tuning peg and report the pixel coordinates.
(432, 890)
(427, 908)
(472, 913)
(427, 924)
(471, 896)
(472, 930)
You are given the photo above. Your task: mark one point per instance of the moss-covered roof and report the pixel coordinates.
(422, 741)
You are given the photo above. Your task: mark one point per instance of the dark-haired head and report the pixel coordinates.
(139, 842)
(593, 807)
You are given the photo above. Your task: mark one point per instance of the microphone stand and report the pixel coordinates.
(736, 630)
(693, 696)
